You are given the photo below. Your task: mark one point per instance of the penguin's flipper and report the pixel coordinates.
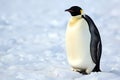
(95, 44)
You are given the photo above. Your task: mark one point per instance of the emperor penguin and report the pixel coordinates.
(83, 42)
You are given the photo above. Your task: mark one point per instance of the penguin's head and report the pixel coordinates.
(75, 11)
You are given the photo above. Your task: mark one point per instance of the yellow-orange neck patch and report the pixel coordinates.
(74, 20)
(81, 11)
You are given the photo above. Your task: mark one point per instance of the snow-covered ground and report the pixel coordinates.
(32, 39)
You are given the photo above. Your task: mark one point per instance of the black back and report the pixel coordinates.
(95, 44)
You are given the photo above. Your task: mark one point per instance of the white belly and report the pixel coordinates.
(78, 45)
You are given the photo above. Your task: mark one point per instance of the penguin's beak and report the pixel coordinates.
(66, 10)
(69, 10)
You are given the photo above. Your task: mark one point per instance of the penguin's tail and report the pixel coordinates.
(97, 68)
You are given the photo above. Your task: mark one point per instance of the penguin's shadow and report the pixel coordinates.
(115, 72)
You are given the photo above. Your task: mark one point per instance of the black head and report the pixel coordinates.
(75, 10)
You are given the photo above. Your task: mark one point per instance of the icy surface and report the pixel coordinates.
(32, 39)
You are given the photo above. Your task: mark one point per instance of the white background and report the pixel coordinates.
(32, 39)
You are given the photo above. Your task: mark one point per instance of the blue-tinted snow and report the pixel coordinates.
(32, 39)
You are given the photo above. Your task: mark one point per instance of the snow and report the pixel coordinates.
(32, 39)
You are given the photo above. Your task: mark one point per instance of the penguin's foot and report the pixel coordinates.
(80, 71)
(76, 70)
(83, 72)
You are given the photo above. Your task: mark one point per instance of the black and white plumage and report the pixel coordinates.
(83, 42)
(95, 44)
